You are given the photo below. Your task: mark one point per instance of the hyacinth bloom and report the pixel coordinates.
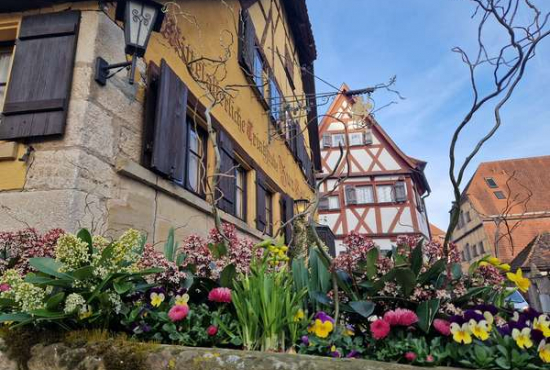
(380, 329)
(442, 326)
(543, 324)
(212, 330)
(479, 329)
(522, 338)
(178, 312)
(544, 351)
(461, 333)
(220, 295)
(521, 282)
(401, 317)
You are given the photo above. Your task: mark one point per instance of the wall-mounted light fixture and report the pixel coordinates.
(140, 18)
(301, 205)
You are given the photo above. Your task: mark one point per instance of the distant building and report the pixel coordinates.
(437, 234)
(382, 193)
(504, 207)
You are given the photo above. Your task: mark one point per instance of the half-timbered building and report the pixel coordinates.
(372, 187)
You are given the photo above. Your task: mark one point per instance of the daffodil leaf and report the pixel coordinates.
(417, 258)
(426, 312)
(49, 266)
(227, 276)
(85, 236)
(363, 308)
(55, 300)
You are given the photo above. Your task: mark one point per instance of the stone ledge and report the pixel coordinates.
(131, 169)
(134, 356)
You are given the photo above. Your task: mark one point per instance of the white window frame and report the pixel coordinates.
(364, 194)
(336, 138)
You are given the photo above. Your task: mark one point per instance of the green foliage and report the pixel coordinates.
(426, 312)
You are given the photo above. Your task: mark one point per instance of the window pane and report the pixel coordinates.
(193, 141)
(333, 202)
(500, 195)
(338, 139)
(193, 172)
(364, 194)
(384, 193)
(258, 72)
(5, 57)
(240, 194)
(356, 138)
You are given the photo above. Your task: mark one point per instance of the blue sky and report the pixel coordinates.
(365, 42)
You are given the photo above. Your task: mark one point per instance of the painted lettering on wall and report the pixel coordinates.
(172, 33)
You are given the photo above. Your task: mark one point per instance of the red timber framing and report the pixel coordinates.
(375, 162)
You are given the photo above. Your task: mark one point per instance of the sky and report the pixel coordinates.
(366, 42)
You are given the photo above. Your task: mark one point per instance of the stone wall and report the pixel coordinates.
(105, 356)
(91, 177)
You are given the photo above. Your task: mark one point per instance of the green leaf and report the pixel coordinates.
(42, 313)
(122, 287)
(43, 280)
(407, 279)
(456, 271)
(83, 273)
(15, 317)
(49, 266)
(227, 276)
(472, 292)
(5, 302)
(180, 259)
(372, 260)
(55, 300)
(321, 298)
(85, 236)
(363, 308)
(434, 271)
(417, 259)
(218, 250)
(426, 312)
(169, 246)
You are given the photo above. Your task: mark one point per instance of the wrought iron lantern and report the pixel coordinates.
(140, 18)
(301, 205)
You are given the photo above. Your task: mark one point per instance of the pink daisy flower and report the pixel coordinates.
(220, 295)
(442, 326)
(380, 329)
(178, 312)
(410, 356)
(401, 317)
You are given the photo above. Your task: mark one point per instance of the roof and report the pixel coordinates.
(436, 231)
(524, 181)
(537, 253)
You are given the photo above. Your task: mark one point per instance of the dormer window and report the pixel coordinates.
(491, 182)
(500, 195)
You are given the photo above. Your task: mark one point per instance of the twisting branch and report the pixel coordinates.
(508, 69)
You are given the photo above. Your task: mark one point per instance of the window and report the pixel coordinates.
(474, 250)
(481, 248)
(258, 73)
(419, 202)
(460, 220)
(467, 252)
(367, 137)
(384, 193)
(275, 100)
(400, 191)
(356, 138)
(195, 158)
(364, 194)
(338, 139)
(240, 192)
(269, 213)
(5, 58)
(467, 217)
(491, 182)
(333, 202)
(500, 195)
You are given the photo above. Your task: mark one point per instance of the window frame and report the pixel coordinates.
(499, 194)
(202, 142)
(373, 199)
(356, 134)
(332, 140)
(269, 195)
(6, 47)
(491, 183)
(240, 170)
(392, 194)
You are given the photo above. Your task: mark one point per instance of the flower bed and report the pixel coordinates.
(413, 305)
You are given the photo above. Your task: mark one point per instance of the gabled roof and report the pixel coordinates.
(537, 253)
(524, 181)
(436, 231)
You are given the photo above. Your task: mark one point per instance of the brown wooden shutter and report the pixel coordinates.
(226, 189)
(261, 221)
(170, 133)
(323, 203)
(367, 137)
(38, 92)
(400, 192)
(247, 42)
(287, 213)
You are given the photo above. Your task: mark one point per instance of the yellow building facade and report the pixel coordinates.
(103, 166)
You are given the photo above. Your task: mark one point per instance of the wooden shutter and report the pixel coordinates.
(323, 203)
(226, 189)
(400, 192)
(351, 196)
(261, 221)
(38, 92)
(367, 137)
(170, 132)
(247, 42)
(326, 140)
(287, 213)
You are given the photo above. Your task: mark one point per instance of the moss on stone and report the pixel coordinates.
(19, 342)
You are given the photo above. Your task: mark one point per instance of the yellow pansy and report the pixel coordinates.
(461, 334)
(85, 313)
(299, 315)
(349, 331)
(521, 282)
(541, 323)
(522, 338)
(333, 348)
(479, 329)
(544, 351)
(483, 263)
(157, 299)
(489, 319)
(182, 299)
(322, 329)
